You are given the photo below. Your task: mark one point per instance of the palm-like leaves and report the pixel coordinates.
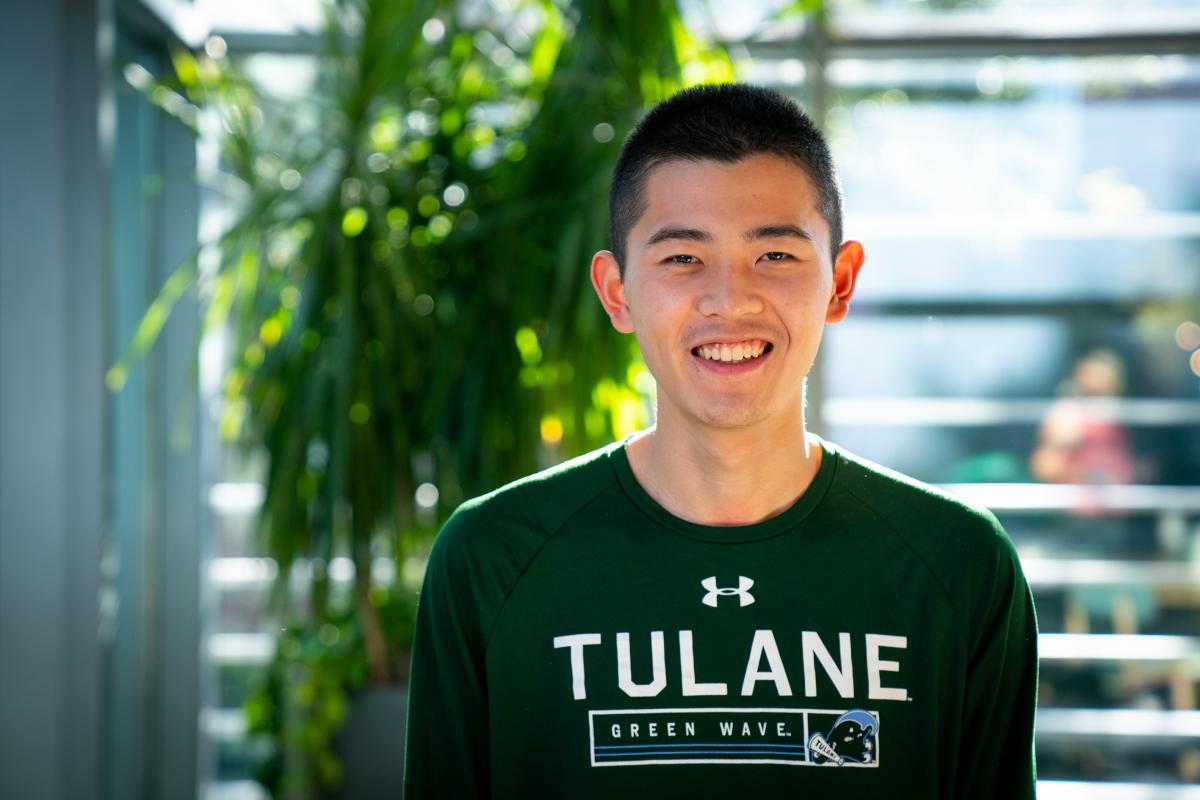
(406, 277)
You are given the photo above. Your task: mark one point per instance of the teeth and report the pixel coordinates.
(742, 351)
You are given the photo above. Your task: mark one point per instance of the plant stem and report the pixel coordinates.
(378, 666)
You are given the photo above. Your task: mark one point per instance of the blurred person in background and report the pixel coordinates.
(1077, 442)
(723, 604)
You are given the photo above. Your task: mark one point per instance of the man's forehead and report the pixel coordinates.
(681, 181)
(762, 195)
(769, 162)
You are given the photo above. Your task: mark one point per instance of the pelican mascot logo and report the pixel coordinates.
(852, 738)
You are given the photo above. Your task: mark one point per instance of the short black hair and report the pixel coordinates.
(722, 122)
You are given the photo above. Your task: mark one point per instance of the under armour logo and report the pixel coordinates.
(742, 590)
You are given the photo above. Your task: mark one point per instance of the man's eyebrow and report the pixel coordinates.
(688, 234)
(776, 232)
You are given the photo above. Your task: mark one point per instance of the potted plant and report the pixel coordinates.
(404, 289)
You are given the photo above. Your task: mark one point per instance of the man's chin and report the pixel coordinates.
(735, 418)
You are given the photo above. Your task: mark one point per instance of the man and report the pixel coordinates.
(723, 605)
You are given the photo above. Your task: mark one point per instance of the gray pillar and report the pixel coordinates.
(52, 479)
(99, 508)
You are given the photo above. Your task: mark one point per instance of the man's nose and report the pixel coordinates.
(731, 291)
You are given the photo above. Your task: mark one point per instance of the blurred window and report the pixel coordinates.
(1036, 18)
(1025, 334)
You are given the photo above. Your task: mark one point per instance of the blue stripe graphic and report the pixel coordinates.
(699, 752)
(799, 747)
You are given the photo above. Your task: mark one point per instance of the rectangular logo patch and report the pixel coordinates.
(794, 736)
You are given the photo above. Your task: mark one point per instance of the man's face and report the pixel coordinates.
(728, 287)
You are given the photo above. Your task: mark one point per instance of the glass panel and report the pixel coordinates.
(1067, 751)
(1078, 352)
(1027, 334)
(1019, 268)
(1040, 17)
(234, 16)
(1098, 546)
(1016, 453)
(1050, 177)
(1123, 610)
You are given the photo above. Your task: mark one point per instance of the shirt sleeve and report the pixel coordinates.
(446, 741)
(996, 756)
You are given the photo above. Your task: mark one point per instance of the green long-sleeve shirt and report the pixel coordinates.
(576, 639)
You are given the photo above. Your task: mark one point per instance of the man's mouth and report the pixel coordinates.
(733, 352)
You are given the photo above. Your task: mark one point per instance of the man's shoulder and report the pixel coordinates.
(903, 499)
(963, 546)
(535, 506)
(562, 486)
(941, 527)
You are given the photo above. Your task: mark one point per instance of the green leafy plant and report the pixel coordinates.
(404, 289)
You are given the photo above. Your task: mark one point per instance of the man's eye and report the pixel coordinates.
(683, 260)
(775, 255)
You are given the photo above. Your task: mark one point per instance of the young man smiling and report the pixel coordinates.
(723, 605)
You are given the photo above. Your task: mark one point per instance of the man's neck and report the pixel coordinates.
(718, 476)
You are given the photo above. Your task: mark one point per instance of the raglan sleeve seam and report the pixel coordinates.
(962, 628)
(537, 551)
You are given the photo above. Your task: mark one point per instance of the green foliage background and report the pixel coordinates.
(405, 287)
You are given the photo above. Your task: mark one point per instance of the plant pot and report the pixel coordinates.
(371, 744)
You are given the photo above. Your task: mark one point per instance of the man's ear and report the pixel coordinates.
(845, 275)
(606, 279)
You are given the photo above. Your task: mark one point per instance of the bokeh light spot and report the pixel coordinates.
(552, 430)
(397, 217)
(423, 305)
(270, 331)
(215, 47)
(427, 495)
(527, 345)
(439, 226)
(290, 179)
(354, 221)
(1187, 335)
(428, 205)
(454, 195)
(329, 635)
(433, 30)
(378, 162)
